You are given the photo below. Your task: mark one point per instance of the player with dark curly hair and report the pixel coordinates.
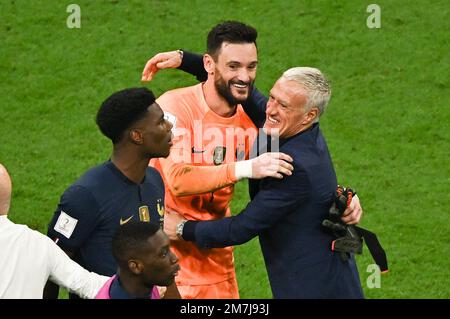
(123, 188)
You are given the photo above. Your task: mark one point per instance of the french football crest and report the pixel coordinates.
(219, 155)
(144, 215)
(161, 212)
(160, 209)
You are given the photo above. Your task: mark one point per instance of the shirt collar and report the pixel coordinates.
(263, 142)
(313, 127)
(117, 292)
(118, 173)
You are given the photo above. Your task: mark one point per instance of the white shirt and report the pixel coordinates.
(28, 258)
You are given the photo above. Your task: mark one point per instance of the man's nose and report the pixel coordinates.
(244, 75)
(169, 125)
(271, 108)
(174, 258)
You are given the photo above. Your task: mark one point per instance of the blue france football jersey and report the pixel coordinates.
(91, 210)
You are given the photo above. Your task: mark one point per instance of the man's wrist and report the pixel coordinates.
(181, 53)
(180, 228)
(187, 230)
(193, 64)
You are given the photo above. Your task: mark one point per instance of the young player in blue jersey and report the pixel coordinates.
(122, 189)
(144, 261)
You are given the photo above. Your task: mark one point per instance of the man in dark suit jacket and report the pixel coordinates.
(287, 213)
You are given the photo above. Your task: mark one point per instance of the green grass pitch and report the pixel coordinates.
(387, 124)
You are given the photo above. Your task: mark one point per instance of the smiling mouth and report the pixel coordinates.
(240, 86)
(272, 121)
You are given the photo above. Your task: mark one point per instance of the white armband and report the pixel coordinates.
(243, 169)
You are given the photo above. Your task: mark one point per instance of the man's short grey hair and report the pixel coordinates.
(318, 87)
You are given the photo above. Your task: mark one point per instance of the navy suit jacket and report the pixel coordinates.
(287, 215)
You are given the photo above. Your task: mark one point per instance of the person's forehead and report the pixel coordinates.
(238, 51)
(154, 108)
(154, 111)
(289, 90)
(158, 240)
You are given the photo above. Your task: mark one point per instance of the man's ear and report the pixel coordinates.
(135, 266)
(311, 116)
(208, 63)
(136, 136)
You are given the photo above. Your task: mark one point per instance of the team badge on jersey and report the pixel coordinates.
(144, 214)
(161, 212)
(160, 208)
(219, 155)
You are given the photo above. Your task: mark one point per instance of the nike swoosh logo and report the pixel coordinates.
(196, 151)
(126, 220)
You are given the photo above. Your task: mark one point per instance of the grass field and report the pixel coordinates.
(387, 125)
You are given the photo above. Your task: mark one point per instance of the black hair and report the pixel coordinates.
(130, 239)
(121, 110)
(229, 31)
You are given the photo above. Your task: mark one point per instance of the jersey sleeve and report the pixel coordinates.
(193, 64)
(75, 218)
(67, 273)
(183, 177)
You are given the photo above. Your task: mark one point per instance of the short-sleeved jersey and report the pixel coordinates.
(202, 139)
(91, 210)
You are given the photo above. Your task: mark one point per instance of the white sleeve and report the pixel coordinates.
(67, 273)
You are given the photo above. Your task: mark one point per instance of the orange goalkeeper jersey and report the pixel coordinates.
(199, 175)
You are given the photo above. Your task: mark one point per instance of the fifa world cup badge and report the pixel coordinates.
(144, 214)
